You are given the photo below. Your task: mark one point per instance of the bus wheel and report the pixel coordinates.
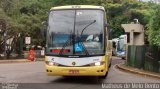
(123, 58)
(109, 64)
(113, 53)
(103, 77)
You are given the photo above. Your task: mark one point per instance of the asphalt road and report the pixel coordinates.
(32, 75)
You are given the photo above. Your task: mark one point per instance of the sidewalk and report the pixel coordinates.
(137, 71)
(19, 60)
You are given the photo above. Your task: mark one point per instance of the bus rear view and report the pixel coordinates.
(77, 41)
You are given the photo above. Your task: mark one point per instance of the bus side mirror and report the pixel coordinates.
(105, 24)
(44, 23)
(114, 44)
(110, 34)
(44, 29)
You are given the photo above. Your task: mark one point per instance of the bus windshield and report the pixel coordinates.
(75, 32)
(121, 46)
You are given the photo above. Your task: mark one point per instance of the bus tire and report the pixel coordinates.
(113, 53)
(109, 64)
(123, 58)
(103, 77)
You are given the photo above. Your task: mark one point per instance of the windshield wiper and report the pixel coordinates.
(81, 37)
(71, 39)
(87, 26)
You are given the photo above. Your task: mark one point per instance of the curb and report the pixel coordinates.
(14, 61)
(119, 66)
(20, 60)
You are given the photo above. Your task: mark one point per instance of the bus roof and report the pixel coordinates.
(122, 36)
(78, 7)
(115, 39)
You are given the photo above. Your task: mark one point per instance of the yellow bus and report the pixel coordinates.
(77, 41)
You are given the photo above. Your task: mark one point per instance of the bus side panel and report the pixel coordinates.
(105, 58)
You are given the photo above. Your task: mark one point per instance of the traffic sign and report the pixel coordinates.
(28, 40)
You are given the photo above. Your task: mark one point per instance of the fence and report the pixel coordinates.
(152, 58)
(144, 57)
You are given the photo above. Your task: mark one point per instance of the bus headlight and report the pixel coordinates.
(97, 63)
(51, 63)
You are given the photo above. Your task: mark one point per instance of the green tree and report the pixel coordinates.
(154, 27)
(25, 16)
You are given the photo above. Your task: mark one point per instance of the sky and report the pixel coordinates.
(150, 0)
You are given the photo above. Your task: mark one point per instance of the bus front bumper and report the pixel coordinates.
(76, 71)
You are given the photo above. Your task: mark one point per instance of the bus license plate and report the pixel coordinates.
(73, 71)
